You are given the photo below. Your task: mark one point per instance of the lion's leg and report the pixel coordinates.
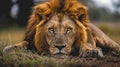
(103, 39)
(90, 40)
(89, 49)
(18, 45)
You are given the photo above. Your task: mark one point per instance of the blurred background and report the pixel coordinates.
(15, 13)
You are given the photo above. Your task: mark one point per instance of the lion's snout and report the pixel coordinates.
(60, 46)
(59, 49)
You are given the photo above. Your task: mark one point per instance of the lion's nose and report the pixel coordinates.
(60, 47)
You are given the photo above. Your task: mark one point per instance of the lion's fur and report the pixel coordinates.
(43, 12)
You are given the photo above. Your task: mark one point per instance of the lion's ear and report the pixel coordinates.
(79, 12)
(82, 13)
(40, 16)
(80, 17)
(43, 11)
(83, 16)
(37, 13)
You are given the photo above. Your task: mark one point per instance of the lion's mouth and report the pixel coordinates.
(60, 53)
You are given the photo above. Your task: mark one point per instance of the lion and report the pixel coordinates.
(63, 27)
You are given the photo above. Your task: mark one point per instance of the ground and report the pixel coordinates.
(11, 35)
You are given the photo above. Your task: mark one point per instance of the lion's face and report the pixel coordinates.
(61, 29)
(60, 34)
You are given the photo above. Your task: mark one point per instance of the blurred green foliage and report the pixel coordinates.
(101, 14)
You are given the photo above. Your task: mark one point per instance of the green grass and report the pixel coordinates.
(25, 58)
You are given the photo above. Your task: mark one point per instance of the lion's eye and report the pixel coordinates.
(68, 30)
(51, 30)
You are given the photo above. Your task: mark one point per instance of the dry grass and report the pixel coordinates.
(24, 58)
(11, 35)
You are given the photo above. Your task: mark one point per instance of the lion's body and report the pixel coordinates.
(57, 29)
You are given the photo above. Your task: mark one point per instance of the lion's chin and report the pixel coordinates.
(59, 53)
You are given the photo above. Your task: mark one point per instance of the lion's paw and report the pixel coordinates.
(95, 53)
(7, 48)
(10, 48)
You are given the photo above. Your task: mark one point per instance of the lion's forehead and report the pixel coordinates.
(64, 21)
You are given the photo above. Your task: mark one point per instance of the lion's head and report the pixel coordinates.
(59, 34)
(58, 29)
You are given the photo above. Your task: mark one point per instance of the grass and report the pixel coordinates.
(25, 58)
